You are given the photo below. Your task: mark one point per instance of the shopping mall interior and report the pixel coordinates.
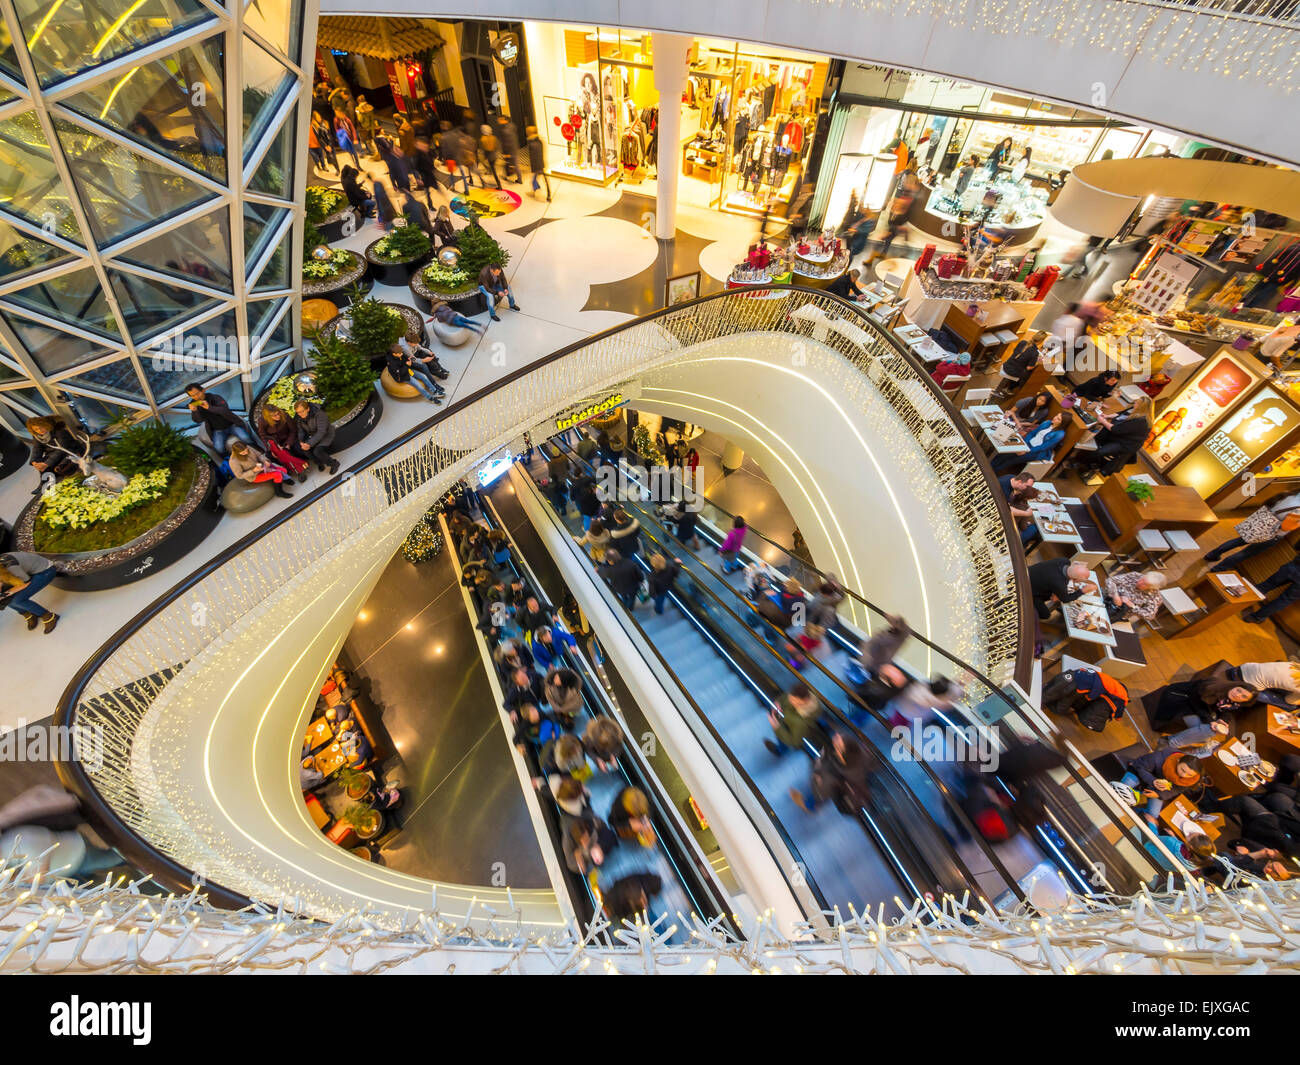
(538, 495)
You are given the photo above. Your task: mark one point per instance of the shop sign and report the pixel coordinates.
(576, 417)
(506, 49)
(1261, 423)
(395, 84)
(1200, 404)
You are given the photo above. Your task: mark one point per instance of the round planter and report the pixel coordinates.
(395, 274)
(468, 302)
(363, 853)
(169, 540)
(333, 227)
(349, 429)
(414, 323)
(378, 829)
(336, 289)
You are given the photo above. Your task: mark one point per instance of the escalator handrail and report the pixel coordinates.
(646, 779)
(739, 769)
(895, 776)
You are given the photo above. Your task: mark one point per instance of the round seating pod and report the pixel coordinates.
(451, 335)
(396, 389)
(239, 497)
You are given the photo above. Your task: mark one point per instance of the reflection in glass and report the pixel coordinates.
(259, 319)
(29, 185)
(175, 105)
(20, 251)
(68, 36)
(53, 349)
(274, 174)
(276, 274)
(276, 22)
(115, 379)
(97, 414)
(8, 61)
(123, 191)
(75, 298)
(198, 250)
(198, 353)
(29, 402)
(260, 224)
(267, 82)
(151, 306)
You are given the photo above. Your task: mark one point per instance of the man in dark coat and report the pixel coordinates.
(211, 411)
(623, 575)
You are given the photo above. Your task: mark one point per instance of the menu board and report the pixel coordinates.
(1198, 237)
(1164, 282)
(1245, 249)
(1205, 398)
(1267, 418)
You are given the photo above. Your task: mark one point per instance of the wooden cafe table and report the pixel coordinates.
(1223, 773)
(1220, 603)
(1171, 506)
(1175, 810)
(1276, 731)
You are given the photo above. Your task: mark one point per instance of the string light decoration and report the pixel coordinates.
(52, 926)
(424, 541)
(1254, 42)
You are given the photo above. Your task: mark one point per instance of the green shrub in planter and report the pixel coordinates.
(284, 394)
(449, 279)
(343, 375)
(403, 244)
(373, 327)
(321, 202)
(478, 249)
(147, 447)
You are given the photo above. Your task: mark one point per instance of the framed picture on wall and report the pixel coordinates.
(682, 289)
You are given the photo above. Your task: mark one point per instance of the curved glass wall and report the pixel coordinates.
(125, 232)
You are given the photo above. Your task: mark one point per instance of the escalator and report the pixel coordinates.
(1065, 836)
(688, 886)
(889, 848)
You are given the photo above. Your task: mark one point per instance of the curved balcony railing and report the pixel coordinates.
(133, 688)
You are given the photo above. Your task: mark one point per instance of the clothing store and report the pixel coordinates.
(748, 116)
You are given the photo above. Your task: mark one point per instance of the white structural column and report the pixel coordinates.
(670, 51)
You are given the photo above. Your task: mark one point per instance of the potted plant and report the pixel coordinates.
(457, 284)
(355, 783)
(124, 517)
(327, 210)
(345, 383)
(396, 257)
(1139, 491)
(365, 821)
(373, 328)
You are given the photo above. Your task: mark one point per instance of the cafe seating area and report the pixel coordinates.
(349, 770)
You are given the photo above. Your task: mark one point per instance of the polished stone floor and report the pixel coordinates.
(413, 652)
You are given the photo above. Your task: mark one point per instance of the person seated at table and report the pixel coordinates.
(1196, 851)
(1042, 443)
(956, 365)
(1286, 577)
(309, 775)
(1134, 595)
(356, 747)
(1056, 581)
(1020, 492)
(1099, 387)
(846, 286)
(1269, 823)
(1093, 697)
(1201, 741)
(1032, 411)
(1118, 442)
(1161, 775)
(1017, 366)
(1192, 701)
(1269, 676)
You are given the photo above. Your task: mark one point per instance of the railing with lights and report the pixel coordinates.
(125, 689)
(49, 926)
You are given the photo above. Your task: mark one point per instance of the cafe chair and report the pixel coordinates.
(1038, 469)
(952, 386)
(1006, 385)
(976, 395)
(1179, 605)
(1153, 545)
(1180, 540)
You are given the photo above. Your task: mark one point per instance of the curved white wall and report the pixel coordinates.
(857, 484)
(1230, 81)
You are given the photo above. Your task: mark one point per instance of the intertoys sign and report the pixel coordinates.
(568, 421)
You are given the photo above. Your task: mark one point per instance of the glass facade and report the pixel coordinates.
(140, 206)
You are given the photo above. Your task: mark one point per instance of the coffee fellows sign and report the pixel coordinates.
(569, 420)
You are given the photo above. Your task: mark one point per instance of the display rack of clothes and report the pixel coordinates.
(649, 119)
(721, 105)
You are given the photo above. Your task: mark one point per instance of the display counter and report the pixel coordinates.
(939, 210)
(1000, 306)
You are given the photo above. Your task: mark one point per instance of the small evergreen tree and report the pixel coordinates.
(343, 375)
(146, 447)
(477, 250)
(374, 327)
